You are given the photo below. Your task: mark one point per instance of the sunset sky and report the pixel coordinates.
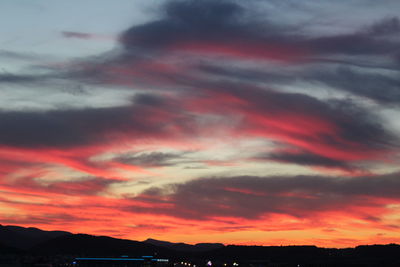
(268, 122)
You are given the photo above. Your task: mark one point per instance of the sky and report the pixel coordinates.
(259, 122)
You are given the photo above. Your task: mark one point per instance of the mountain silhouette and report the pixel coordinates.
(30, 243)
(101, 246)
(199, 247)
(25, 238)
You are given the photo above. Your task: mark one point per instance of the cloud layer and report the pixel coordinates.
(213, 117)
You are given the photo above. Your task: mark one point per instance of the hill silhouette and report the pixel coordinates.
(200, 247)
(25, 238)
(22, 241)
(96, 246)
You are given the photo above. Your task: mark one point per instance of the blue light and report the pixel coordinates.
(110, 259)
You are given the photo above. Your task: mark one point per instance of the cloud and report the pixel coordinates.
(215, 76)
(150, 159)
(50, 219)
(151, 227)
(351, 78)
(376, 86)
(387, 26)
(339, 129)
(13, 78)
(332, 131)
(85, 36)
(78, 35)
(345, 44)
(33, 185)
(68, 128)
(227, 27)
(252, 197)
(186, 21)
(7, 54)
(307, 159)
(192, 36)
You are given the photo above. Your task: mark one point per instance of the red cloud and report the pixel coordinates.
(241, 49)
(297, 120)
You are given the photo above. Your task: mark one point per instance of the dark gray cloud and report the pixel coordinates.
(66, 128)
(227, 21)
(187, 21)
(251, 197)
(352, 44)
(20, 79)
(307, 159)
(347, 77)
(376, 86)
(151, 159)
(245, 74)
(229, 25)
(371, 40)
(387, 26)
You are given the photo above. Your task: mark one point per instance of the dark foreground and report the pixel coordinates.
(33, 247)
